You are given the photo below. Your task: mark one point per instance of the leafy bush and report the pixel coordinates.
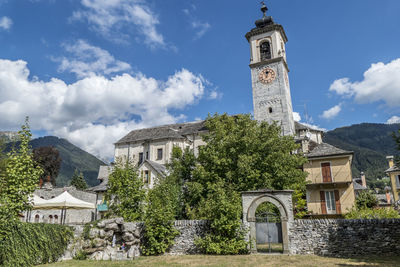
(366, 200)
(27, 244)
(223, 208)
(159, 231)
(125, 191)
(366, 213)
(80, 256)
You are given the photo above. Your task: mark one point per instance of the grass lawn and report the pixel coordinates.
(230, 261)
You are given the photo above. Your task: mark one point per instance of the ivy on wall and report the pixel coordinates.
(34, 243)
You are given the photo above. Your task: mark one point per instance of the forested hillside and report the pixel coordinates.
(371, 144)
(72, 158)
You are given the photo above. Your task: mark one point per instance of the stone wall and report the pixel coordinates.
(345, 238)
(104, 239)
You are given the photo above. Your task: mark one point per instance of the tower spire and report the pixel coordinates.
(264, 8)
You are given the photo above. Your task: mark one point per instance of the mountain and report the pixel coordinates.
(72, 158)
(371, 143)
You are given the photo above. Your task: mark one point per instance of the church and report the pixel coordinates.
(330, 191)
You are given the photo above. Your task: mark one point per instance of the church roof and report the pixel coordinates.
(159, 168)
(324, 149)
(174, 131)
(302, 127)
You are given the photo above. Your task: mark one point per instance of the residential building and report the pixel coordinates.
(394, 174)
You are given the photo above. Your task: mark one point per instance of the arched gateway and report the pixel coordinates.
(281, 199)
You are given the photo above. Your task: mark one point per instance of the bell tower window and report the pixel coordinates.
(270, 110)
(265, 50)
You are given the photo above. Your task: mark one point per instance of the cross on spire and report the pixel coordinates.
(264, 8)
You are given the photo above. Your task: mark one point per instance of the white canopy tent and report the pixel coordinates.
(64, 201)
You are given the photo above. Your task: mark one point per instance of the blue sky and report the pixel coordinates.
(92, 70)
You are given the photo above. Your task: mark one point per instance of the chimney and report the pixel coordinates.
(390, 160)
(388, 198)
(363, 180)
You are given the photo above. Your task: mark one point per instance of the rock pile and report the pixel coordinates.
(104, 240)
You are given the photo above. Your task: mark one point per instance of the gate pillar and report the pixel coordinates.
(282, 199)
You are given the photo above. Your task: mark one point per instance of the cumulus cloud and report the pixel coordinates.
(93, 112)
(5, 23)
(394, 119)
(200, 27)
(113, 19)
(381, 83)
(88, 60)
(332, 112)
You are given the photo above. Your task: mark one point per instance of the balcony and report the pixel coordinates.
(331, 185)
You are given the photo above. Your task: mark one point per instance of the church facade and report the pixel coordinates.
(330, 189)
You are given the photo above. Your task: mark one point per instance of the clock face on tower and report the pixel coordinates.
(267, 75)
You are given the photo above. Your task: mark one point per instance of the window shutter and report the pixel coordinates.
(323, 202)
(337, 202)
(326, 172)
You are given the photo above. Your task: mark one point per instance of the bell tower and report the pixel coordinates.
(269, 73)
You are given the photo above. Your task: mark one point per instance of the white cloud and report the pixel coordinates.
(394, 119)
(96, 111)
(296, 116)
(200, 27)
(5, 23)
(114, 18)
(332, 112)
(87, 60)
(381, 83)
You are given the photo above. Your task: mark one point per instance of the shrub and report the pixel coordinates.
(27, 244)
(366, 213)
(366, 199)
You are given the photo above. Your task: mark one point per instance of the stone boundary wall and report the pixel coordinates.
(97, 243)
(189, 231)
(345, 238)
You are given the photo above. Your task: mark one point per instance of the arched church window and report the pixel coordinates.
(55, 218)
(37, 218)
(270, 110)
(50, 218)
(265, 50)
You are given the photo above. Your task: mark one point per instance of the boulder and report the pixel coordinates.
(112, 226)
(109, 235)
(133, 252)
(119, 220)
(98, 242)
(94, 232)
(128, 237)
(102, 233)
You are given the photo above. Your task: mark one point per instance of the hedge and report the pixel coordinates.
(27, 244)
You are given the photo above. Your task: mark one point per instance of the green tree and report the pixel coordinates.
(161, 211)
(78, 180)
(19, 180)
(240, 154)
(49, 159)
(366, 200)
(125, 192)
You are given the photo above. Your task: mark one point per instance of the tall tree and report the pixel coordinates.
(50, 161)
(18, 180)
(125, 191)
(240, 154)
(78, 180)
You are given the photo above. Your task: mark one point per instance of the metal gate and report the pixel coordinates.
(268, 232)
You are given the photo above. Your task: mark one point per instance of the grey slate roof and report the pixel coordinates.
(357, 186)
(299, 126)
(101, 187)
(393, 169)
(174, 131)
(324, 149)
(160, 168)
